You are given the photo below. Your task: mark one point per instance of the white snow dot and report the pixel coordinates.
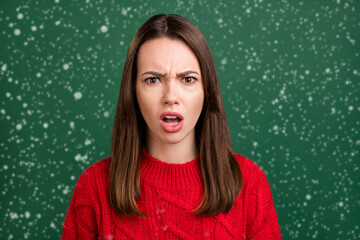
(224, 61)
(72, 125)
(66, 190)
(52, 225)
(104, 29)
(14, 215)
(66, 66)
(45, 125)
(18, 126)
(17, 32)
(4, 67)
(308, 197)
(33, 28)
(341, 204)
(77, 95)
(27, 214)
(351, 108)
(20, 16)
(106, 114)
(310, 99)
(87, 142)
(109, 237)
(124, 11)
(78, 157)
(5, 167)
(248, 67)
(38, 74)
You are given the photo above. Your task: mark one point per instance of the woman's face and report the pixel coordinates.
(169, 90)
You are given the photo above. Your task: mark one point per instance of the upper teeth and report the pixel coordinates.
(173, 117)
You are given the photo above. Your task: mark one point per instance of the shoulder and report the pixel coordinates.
(84, 211)
(94, 176)
(262, 221)
(99, 168)
(248, 167)
(253, 176)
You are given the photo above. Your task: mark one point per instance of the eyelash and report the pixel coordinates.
(150, 78)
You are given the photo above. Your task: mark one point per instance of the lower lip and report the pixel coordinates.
(171, 129)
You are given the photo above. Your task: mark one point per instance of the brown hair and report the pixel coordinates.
(220, 171)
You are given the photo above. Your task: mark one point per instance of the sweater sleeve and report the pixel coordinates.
(81, 218)
(263, 222)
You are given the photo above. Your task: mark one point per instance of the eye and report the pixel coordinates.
(189, 79)
(151, 80)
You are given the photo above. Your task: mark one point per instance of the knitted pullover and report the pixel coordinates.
(168, 194)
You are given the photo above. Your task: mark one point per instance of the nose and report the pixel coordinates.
(170, 95)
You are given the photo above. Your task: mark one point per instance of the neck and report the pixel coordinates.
(178, 153)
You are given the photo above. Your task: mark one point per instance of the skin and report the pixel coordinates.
(165, 90)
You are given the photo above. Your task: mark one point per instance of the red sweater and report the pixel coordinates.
(168, 194)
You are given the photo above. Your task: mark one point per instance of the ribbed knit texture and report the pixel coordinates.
(168, 194)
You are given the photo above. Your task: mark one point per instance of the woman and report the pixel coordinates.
(172, 173)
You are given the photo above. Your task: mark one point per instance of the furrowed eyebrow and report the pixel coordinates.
(157, 74)
(183, 74)
(154, 73)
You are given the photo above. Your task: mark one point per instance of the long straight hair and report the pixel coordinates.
(220, 172)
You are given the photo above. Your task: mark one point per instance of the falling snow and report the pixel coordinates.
(104, 29)
(17, 31)
(290, 79)
(77, 95)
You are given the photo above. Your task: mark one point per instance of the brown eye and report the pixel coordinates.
(189, 79)
(151, 79)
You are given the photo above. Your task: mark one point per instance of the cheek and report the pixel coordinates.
(146, 104)
(200, 99)
(142, 105)
(141, 101)
(197, 105)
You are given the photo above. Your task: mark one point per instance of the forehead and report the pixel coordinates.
(166, 53)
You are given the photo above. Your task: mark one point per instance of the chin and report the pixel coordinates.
(173, 139)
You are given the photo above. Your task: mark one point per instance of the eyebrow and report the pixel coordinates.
(157, 74)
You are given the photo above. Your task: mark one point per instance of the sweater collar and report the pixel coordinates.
(170, 176)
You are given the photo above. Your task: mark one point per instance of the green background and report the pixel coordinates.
(290, 77)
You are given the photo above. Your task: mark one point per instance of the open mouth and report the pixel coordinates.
(171, 120)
